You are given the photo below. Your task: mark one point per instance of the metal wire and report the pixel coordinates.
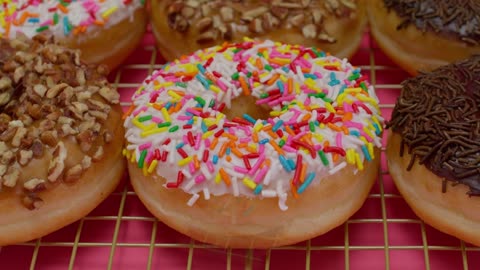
(250, 258)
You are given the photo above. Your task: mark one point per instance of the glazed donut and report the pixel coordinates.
(182, 27)
(86, 25)
(254, 144)
(61, 138)
(433, 149)
(424, 35)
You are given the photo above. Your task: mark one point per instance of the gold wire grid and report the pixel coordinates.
(249, 257)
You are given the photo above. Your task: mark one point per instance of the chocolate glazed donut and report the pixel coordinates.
(423, 35)
(434, 147)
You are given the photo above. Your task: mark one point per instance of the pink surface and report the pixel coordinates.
(121, 234)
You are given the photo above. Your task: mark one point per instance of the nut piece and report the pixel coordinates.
(188, 12)
(305, 3)
(57, 164)
(86, 162)
(21, 132)
(73, 174)
(206, 37)
(34, 185)
(5, 82)
(204, 23)
(317, 16)
(25, 157)
(40, 89)
(3, 170)
(297, 20)
(10, 179)
(227, 14)
(110, 95)
(326, 37)
(31, 201)
(255, 26)
(37, 149)
(279, 12)
(53, 92)
(309, 31)
(4, 98)
(98, 154)
(49, 137)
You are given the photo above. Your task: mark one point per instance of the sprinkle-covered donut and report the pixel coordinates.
(77, 22)
(188, 122)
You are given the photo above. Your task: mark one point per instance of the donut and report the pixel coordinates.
(182, 27)
(424, 35)
(85, 25)
(433, 148)
(254, 144)
(61, 138)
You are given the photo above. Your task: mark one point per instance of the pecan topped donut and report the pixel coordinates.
(58, 120)
(182, 27)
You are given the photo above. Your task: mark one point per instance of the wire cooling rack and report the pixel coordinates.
(122, 234)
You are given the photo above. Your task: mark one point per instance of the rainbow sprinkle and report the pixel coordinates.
(61, 17)
(324, 117)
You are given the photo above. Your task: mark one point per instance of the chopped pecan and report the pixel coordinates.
(86, 162)
(11, 177)
(203, 24)
(98, 154)
(21, 132)
(3, 169)
(37, 149)
(73, 174)
(31, 201)
(49, 137)
(34, 185)
(8, 134)
(5, 83)
(68, 130)
(18, 74)
(54, 91)
(57, 164)
(109, 95)
(99, 115)
(24, 157)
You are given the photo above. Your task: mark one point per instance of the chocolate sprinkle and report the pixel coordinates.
(438, 117)
(459, 19)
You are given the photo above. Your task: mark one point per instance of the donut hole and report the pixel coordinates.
(246, 105)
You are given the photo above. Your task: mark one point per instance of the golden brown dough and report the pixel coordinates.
(452, 212)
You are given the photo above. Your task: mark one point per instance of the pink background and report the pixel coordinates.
(121, 234)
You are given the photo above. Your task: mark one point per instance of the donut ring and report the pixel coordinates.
(253, 182)
(58, 121)
(433, 149)
(424, 36)
(182, 27)
(85, 25)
